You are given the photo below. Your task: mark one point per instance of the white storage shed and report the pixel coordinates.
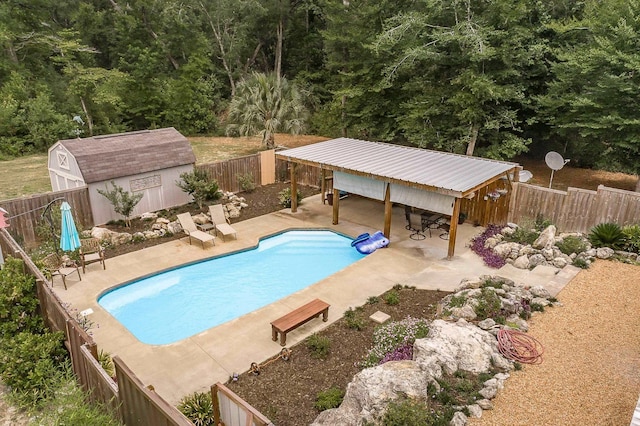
(148, 161)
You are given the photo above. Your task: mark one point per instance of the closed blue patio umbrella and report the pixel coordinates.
(69, 239)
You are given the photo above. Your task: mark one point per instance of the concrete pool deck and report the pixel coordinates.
(197, 362)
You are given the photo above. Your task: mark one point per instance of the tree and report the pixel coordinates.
(198, 184)
(265, 105)
(123, 202)
(594, 97)
(461, 67)
(231, 23)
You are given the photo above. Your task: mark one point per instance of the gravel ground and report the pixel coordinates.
(591, 369)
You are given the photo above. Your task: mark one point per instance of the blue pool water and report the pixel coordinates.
(179, 303)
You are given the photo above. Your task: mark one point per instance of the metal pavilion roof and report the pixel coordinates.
(443, 172)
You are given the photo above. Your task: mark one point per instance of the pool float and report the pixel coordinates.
(360, 238)
(371, 244)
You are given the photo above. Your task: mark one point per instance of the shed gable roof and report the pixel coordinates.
(102, 158)
(443, 172)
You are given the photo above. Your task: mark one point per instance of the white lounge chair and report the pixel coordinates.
(189, 228)
(221, 222)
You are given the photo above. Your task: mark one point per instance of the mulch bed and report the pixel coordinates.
(263, 200)
(285, 391)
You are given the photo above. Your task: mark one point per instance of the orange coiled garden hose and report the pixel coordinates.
(520, 347)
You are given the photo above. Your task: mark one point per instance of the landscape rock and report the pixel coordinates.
(546, 238)
(604, 252)
(475, 410)
(148, 216)
(448, 347)
(522, 262)
(537, 260)
(459, 419)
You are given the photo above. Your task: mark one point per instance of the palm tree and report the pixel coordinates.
(264, 105)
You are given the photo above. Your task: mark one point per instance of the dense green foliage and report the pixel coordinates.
(200, 186)
(18, 301)
(487, 78)
(198, 407)
(123, 202)
(34, 363)
(330, 398)
(607, 234)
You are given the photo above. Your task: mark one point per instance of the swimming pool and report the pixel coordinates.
(185, 301)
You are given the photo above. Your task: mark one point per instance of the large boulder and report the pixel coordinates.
(370, 391)
(448, 348)
(456, 346)
(546, 239)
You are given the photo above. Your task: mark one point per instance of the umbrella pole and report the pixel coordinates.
(46, 215)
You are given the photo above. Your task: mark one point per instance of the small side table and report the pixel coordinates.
(205, 227)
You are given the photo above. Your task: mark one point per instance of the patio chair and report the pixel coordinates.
(53, 265)
(90, 252)
(417, 227)
(221, 222)
(189, 228)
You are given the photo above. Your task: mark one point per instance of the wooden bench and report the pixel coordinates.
(298, 317)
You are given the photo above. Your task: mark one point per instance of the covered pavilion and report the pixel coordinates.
(430, 180)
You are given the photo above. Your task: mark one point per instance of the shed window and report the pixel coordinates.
(63, 161)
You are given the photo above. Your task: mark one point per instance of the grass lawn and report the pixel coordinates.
(24, 176)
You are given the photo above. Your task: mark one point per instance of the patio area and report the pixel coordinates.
(195, 363)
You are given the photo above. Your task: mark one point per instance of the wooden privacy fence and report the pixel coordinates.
(575, 210)
(26, 213)
(231, 410)
(132, 402)
(262, 168)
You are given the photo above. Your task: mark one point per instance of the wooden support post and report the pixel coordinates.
(453, 228)
(294, 188)
(216, 404)
(387, 212)
(336, 205)
(323, 185)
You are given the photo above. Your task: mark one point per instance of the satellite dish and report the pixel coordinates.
(555, 162)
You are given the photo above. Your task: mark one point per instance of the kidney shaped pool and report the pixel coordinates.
(187, 300)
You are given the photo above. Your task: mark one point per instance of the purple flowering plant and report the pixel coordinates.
(388, 339)
(490, 257)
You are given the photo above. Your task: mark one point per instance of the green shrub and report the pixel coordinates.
(541, 223)
(631, 238)
(106, 362)
(373, 300)
(246, 182)
(330, 398)
(123, 201)
(492, 282)
(354, 320)
(285, 197)
(18, 301)
(572, 244)
(392, 298)
(458, 301)
(606, 235)
(581, 263)
(409, 412)
(198, 408)
(523, 235)
(318, 345)
(69, 406)
(30, 363)
(198, 184)
(488, 304)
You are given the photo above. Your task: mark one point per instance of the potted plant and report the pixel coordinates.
(461, 218)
